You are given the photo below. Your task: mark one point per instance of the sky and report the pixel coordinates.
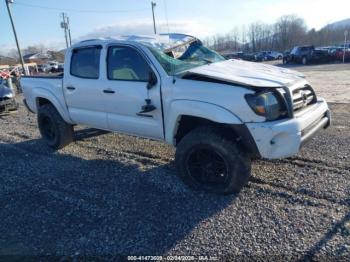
(202, 18)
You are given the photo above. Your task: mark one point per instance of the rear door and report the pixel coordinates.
(126, 79)
(83, 92)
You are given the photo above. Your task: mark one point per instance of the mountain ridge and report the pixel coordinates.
(345, 23)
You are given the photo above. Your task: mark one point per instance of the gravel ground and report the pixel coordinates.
(109, 194)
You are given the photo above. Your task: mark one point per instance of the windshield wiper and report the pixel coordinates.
(207, 60)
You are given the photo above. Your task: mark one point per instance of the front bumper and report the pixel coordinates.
(8, 105)
(283, 138)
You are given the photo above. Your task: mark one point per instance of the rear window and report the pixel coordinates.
(85, 62)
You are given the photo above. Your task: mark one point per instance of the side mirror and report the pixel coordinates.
(152, 80)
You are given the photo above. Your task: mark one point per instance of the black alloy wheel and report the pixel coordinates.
(207, 167)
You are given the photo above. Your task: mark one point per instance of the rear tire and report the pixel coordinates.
(54, 130)
(304, 60)
(208, 160)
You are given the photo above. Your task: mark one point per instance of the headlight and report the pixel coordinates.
(267, 104)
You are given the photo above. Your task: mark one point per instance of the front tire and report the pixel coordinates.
(54, 130)
(208, 160)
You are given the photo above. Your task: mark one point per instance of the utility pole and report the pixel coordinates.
(154, 20)
(8, 2)
(345, 34)
(64, 25)
(69, 35)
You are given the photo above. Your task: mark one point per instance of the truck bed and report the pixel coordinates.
(46, 76)
(42, 86)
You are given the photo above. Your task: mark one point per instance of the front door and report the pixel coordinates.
(126, 93)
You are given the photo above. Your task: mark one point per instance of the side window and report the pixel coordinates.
(126, 64)
(85, 62)
(294, 51)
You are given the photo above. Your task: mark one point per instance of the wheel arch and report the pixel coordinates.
(45, 97)
(188, 114)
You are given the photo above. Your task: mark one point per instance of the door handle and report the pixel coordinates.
(70, 87)
(108, 91)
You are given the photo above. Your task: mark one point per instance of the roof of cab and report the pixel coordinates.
(162, 41)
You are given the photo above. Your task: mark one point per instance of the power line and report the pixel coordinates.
(81, 11)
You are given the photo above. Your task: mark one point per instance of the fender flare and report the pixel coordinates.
(212, 112)
(44, 93)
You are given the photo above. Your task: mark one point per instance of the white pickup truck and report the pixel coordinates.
(219, 114)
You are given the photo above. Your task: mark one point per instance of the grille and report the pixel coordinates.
(303, 97)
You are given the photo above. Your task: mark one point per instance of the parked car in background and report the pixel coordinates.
(7, 98)
(61, 67)
(51, 67)
(306, 54)
(249, 56)
(339, 54)
(265, 56)
(44, 68)
(260, 56)
(254, 57)
(346, 46)
(234, 55)
(332, 52)
(40, 68)
(286, 54)
(58, 69)
(273, 55)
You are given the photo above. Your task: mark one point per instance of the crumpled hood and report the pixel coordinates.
(248, 73)
(6, 91)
